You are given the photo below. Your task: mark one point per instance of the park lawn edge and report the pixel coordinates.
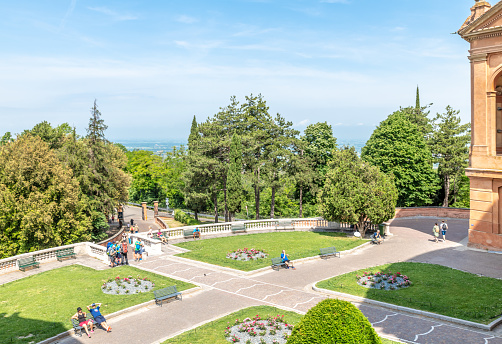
(42, 304)
(408, 297)
(213, 331)
(337, 239)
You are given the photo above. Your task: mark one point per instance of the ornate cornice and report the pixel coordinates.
(479, 57)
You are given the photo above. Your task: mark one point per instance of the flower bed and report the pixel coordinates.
(127, 285)
(383, 281)
(259, 331)
(246, 254)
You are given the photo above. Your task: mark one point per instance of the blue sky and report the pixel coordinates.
(153, 65)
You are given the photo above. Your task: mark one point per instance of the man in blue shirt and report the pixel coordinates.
(98, 318)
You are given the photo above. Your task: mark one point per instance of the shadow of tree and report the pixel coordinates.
(15, 329)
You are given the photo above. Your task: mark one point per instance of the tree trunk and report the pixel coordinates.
(196, 215)
(257, 192)
(272, 203)
(301, 202)
(446, 190)
(216, 208)
(226, 205)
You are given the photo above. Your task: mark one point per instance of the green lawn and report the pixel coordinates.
(41, 305)
(213, 332)
(435, 288)
(297, 245)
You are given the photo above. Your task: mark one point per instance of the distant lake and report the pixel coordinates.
(160, 147)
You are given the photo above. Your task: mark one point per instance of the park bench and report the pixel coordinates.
(284, 225)
(77, 328)
(188, 233)
(166, 293)
(66, 253)
(27, 262)
(277, 263)
(329, 251)
(238, 227)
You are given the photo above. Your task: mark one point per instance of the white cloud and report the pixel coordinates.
(186, 19)
(303, 123)
(115, 15)
(68, 13)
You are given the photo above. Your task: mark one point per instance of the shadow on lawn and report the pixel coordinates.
(15, 329)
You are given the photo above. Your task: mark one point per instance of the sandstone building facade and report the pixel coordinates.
(483, 30)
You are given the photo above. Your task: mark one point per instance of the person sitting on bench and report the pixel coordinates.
(377, 238)
(286, 260)
(82, 321)
(196, 233)
(100, 319)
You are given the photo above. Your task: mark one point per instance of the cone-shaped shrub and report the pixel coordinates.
(334, 321)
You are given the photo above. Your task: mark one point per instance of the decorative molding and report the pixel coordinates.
(486, 26)
(479, 57)
(481, 36)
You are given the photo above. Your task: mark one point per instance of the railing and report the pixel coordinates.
(48, 255)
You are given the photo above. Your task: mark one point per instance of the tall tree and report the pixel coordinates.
(235, 188)
(356, 192)
(39, 199)
(398, 147)
(54, 137)
(303, 172)
(450, 148)
(417, 100)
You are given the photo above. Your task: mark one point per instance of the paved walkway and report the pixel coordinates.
(224, 292)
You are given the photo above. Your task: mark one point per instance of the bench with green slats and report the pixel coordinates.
(166, 293)
(28, 262)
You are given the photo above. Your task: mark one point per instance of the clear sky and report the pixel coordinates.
(153, 65)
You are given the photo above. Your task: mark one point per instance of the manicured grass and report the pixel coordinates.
(42, 304)
(297, 245)
(435, 288)
(172, 223)
(213, 332)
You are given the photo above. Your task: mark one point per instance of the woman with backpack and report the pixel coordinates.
(125, 260)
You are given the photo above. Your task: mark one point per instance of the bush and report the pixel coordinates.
(334, 321)
(181, 216)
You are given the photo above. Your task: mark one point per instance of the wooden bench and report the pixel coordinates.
(188, 233)
(329, 251)
(166, 293)
(277, 263)
(66, 253)
(28, 262)
(238, 227)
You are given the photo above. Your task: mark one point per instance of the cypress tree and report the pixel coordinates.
(417, 102)
(234, 176)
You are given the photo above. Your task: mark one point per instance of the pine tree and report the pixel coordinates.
(449, 145)
(234, 177)
(417, 102)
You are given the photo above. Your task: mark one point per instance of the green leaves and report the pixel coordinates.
(356, 192)
(39, 199)
(398, 147)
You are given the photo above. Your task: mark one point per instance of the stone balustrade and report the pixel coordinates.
(48, 255)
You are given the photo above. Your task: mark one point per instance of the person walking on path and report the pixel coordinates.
(100, 319)
(286, 260)
(82, 321)
(137, 250)
(444, 228)
(125, 260)
(435, 231)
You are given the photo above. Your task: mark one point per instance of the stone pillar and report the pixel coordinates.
(144, 217)
(155, 208)
(387, 229)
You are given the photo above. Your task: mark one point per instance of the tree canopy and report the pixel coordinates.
(356, 192)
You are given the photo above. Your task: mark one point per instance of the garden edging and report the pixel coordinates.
(116, 314)
(260, 270)
(488, 327)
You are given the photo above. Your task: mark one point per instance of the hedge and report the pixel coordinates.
(334, 321)
(181, 216)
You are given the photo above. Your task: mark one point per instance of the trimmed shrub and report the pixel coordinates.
(181, 216)
(334, 321)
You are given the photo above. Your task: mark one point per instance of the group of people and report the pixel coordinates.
(117, 252)
(443, 227)
(88, 324)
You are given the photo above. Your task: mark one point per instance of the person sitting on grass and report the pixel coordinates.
(196, 233)
(82, 321)
(98, 318)
(377, 238)
(286, 260)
